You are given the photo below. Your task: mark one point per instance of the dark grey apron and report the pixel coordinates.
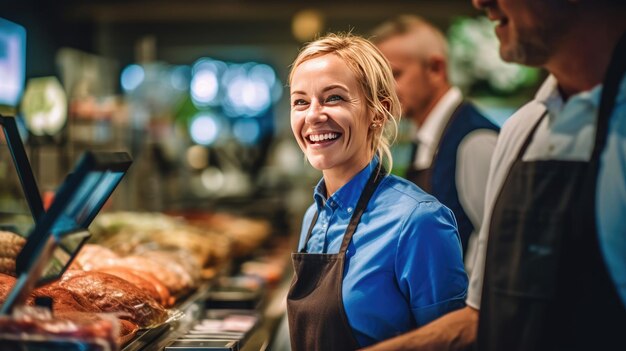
(546, 284)
(317, 319)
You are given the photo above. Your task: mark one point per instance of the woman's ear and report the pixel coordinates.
(386, 104)
(381, 116)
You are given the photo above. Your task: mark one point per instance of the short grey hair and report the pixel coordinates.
(429, 40)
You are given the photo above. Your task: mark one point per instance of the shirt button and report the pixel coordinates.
(324, 225)
(349, 209)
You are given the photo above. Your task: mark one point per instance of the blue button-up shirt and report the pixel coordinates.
(404, 265)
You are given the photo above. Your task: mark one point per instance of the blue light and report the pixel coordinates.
(277, 92)
(205, 63)
(264, 73)
(204, 87)
(132, 77)
(179, 78)
(247, 131)
(248, 89)
(256, 95)
(204, 129)
(233, 71)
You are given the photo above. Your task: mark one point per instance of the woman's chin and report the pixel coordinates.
(319, 163)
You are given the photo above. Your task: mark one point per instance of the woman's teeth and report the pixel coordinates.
(323, 137)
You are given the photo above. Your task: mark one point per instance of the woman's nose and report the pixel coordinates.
(315, 113)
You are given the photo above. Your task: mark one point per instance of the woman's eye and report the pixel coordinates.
(298, 102)
(332, 98)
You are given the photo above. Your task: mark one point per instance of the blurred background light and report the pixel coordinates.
(212, 179)
(180, 77)
(204, 87)
(209, 64)
(306, 24)
(249, 89)
(44, 106)
(256, 95)
(204, 129)
(197, 156)
(264, 73)
(247, 131)
(132, 76)
(277, 92)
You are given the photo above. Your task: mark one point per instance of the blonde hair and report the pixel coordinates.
(428, 40)
(373, 73)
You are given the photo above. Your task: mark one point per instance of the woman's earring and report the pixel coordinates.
(374, 125)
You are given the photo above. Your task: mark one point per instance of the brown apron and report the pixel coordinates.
(546, 284)
(317, 319)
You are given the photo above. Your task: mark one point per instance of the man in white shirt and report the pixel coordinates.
(550, 272)
(454, 141)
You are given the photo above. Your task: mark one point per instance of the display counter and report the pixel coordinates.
(80, 280)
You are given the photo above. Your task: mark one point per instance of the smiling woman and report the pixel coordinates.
(361, 109)
(403, 266)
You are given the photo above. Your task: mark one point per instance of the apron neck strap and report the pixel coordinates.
(372, 183)
(377, 175)
(610, 89)
(530, 136)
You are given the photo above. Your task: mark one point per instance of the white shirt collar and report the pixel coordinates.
(549, 95)
(430, 131)
(568, 132)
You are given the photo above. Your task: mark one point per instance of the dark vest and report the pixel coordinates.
(439, 180)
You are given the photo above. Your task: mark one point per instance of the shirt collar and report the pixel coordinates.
(430, 131)
(548, 94)
(348, 195)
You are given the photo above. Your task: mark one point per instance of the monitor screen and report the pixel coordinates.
(87, 200)
(12, 62)
(70, 226)
(77, 202)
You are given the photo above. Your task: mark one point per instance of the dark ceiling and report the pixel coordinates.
(183, 29)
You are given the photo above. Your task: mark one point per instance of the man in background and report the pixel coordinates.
(550, 272)
(454, 142)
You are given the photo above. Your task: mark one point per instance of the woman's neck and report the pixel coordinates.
(335, 178)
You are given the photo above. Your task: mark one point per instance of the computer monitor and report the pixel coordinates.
(61, 231)
(22, 166)
(12, 62)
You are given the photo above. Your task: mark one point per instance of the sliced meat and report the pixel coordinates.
(6, 284)
(168, 274)
(10, 246)
(92, 256)
(101, 292)
(135, 278)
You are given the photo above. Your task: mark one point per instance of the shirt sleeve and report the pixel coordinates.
(511, 137)
(473, 159)
(429, 262)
